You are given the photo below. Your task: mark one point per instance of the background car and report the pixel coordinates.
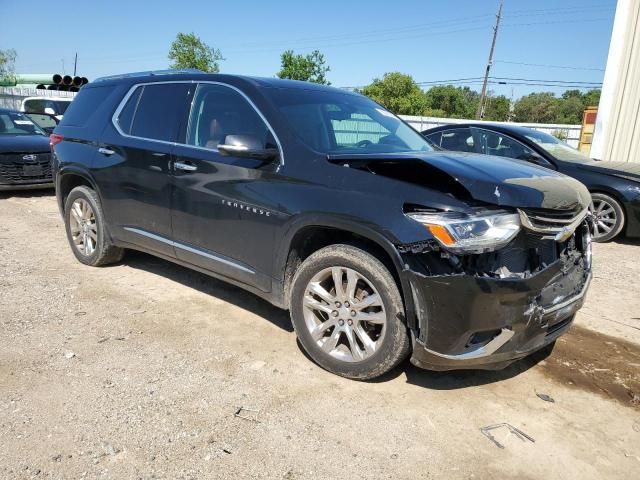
(614, 186)
(45, 112)
(25, 158)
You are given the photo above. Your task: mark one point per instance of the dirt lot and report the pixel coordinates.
(137, 370)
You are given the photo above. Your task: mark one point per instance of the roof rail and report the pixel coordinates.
(170, 71)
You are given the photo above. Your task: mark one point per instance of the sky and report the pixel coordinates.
(432, 40)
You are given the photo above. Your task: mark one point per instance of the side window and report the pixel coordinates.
(35, 106)
(219, 111)
(159, 111)
(435, 138)
(85, 104)
(458, 140)
(125, 117)
(494, 143)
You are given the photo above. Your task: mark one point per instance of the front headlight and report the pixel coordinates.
(479, 233)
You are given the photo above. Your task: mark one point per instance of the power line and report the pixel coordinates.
(565, 67)
(549, 81)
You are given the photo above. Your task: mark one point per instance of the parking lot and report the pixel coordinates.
(148, 370)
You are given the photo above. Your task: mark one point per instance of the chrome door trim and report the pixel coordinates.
(190, 249)
(123, 102)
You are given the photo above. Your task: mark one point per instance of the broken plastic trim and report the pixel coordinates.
(484, 351)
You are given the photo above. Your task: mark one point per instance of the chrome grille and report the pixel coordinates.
(556, 224)
(12, 167)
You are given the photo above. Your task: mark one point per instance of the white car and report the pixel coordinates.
(51, 106)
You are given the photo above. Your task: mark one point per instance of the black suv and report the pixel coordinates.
(324, 203)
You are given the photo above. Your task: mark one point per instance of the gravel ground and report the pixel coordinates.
(138, 371)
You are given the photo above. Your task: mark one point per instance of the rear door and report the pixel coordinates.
(221, 215)
(133, 165)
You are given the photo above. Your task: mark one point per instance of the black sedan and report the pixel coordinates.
(614, 186)
(25, 158)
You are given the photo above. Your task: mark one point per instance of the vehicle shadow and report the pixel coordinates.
(455, 379)
(459, 379)
(452, 380)
(626, 241)
(209, 286)
(39, 193)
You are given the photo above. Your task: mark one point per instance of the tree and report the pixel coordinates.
(398, 93)
(497, 109)
(309, 68)
(540, 107)
(591, 98)
(189, 51)
(7, 64)
(453, 102)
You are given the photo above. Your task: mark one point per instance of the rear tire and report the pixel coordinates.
(354, 330)
(86, 229)
(608, 217)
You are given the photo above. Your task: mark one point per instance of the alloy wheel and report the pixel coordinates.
(82, 223)
(604, 218)
(344, 314)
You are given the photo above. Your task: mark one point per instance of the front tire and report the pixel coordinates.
(347, 312)
(86, 229)
(608, 215)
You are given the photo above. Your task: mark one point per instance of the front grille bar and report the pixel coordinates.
(552, 228)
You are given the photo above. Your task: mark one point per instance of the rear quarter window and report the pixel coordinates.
(85, 104)
(159, 111)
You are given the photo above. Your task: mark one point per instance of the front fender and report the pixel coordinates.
(384, 241)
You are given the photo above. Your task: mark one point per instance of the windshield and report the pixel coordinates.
(14, 123)
(557, 148)
(343, 123)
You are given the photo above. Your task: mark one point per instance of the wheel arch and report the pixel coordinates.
(307, 237)
(67, 180)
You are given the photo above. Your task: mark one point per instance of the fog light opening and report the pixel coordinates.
(480, 339)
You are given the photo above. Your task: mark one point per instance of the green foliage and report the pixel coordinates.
(7, 63)
(497, 109)
(536, 107)
(308, 68)
(189, 51)
(547, 108)
(398, 93)
(455, 102)
(402, 95)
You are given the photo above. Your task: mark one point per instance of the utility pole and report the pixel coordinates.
(480, 112)
(75, 64)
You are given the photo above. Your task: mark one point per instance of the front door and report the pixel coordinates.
(222, 212)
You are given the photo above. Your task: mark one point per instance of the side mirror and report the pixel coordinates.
(49, 111)
(246, 146)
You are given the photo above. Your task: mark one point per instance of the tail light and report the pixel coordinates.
(54, 139)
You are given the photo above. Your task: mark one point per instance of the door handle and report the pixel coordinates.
(187, 167)
(106, 151)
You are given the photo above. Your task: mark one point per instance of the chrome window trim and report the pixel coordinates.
(123, 102)
(188, 248)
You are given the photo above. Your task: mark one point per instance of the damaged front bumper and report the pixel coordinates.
(479, 322)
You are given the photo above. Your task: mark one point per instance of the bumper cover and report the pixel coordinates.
(487, 323)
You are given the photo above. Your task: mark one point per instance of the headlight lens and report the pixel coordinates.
(479, 233)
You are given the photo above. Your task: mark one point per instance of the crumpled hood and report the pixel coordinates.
(24, 144)
(489, 179)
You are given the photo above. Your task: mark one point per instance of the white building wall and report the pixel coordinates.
(617, 132)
